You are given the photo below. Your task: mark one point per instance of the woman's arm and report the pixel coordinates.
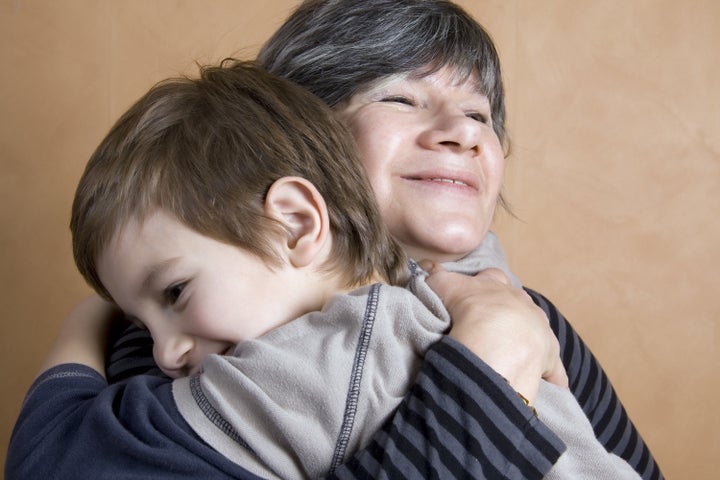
(130, 353)
(496, 324)
(596, 395)
(489, 295)
(83, 335)
(500, 323)
(461, 419)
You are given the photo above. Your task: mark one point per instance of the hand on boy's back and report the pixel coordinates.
(84, 334)
(500, 323)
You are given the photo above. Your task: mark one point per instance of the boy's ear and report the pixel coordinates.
(297, 204)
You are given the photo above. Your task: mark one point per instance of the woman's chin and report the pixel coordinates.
(448, 250)
(439, 237)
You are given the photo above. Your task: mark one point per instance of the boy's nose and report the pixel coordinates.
(173, 355)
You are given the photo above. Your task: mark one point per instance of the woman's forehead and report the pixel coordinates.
(450, 74)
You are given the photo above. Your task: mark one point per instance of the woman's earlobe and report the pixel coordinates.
(299, 207)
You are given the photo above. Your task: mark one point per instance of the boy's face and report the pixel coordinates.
(196, 295)
(433, 159)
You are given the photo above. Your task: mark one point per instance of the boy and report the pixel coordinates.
(206, 199)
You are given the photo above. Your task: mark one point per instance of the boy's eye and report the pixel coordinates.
(173, 292)
(398, 99)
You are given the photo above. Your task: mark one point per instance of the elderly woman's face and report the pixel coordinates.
(433, 159)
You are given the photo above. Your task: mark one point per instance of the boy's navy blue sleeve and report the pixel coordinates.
(74, 426)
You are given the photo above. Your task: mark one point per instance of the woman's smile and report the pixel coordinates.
(435, 163)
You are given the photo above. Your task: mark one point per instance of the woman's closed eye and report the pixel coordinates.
(398, 99)
(478, 117)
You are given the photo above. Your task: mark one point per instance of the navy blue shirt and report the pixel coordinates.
(73, 425)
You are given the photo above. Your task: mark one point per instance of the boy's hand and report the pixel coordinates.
(84, 334)
(501, 324)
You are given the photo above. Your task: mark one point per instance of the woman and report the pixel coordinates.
(418, 83)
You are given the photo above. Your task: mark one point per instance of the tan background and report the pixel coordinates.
(615, 174)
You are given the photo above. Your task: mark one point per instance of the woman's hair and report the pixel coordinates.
(337, 48)
(207, 150)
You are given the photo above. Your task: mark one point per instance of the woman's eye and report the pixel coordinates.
(478, 117)
(398, 99)
(173, 292)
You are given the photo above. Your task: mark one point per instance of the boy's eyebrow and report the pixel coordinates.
(155, 271)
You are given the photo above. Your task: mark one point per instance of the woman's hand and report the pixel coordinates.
(84, 334)
(501, 324)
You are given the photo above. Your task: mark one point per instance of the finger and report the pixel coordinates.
(558, 376)
(495, 274)
(445, 283)
(430, 266)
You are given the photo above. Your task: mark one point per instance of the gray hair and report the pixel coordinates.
(337, 48)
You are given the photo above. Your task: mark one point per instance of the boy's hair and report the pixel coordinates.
(207, 150)
(337, 48)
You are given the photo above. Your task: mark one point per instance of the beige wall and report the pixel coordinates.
(615, 174)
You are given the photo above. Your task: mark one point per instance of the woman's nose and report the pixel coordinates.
(452, 130)
(173, 354)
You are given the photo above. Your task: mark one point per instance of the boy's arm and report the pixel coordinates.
(83, 336)
(73, 425)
